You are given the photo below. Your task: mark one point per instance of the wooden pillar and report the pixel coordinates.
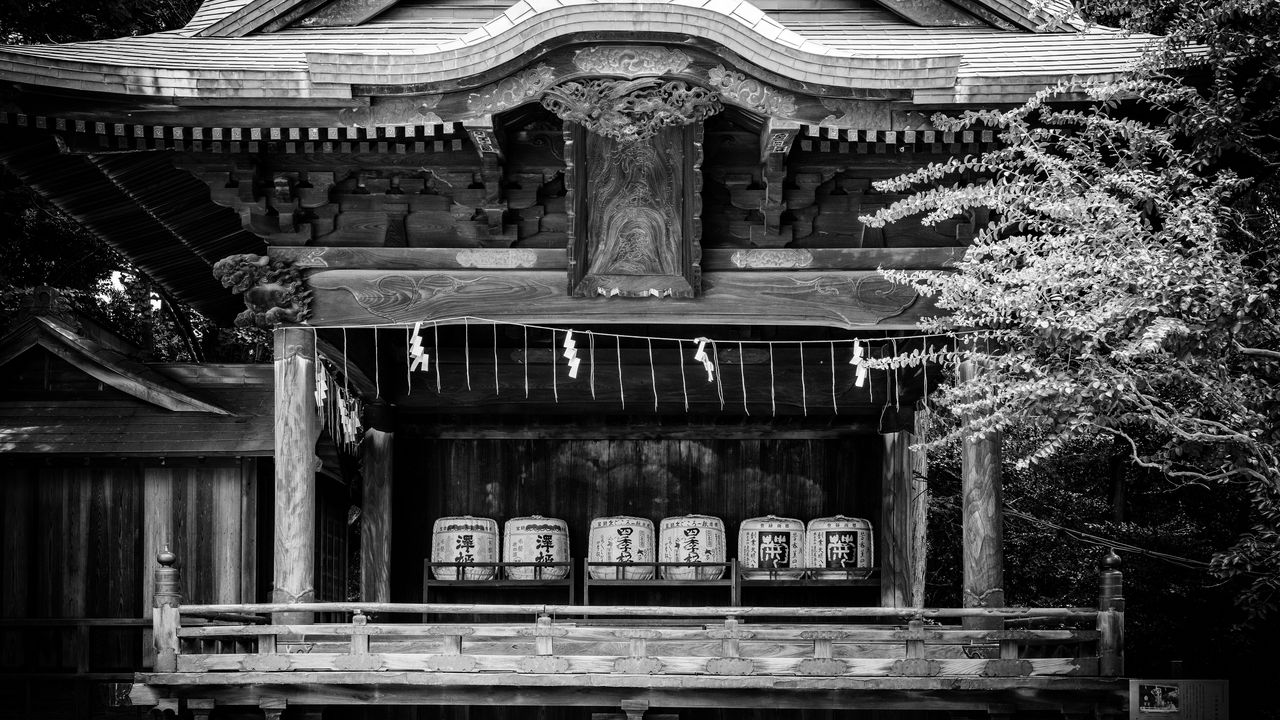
(375, 523)
(296, 430)
(903, 517)
(982, 545)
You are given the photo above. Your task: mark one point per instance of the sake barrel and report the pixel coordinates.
(536, 539)
(771, 547)
(464, 539)
(621, 539)
(691, 538)
(839, 548)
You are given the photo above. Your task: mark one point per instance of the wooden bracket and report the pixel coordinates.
(776, 139)
(200, 708)
(270, 203)
(484, 138)
(273, 709)
(635, 709)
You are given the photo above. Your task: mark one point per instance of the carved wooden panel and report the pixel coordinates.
(635, 206)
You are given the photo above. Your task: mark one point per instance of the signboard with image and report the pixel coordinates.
(1178, 700)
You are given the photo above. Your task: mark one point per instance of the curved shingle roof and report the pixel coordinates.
(970, 64)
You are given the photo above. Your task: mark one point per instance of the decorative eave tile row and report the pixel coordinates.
(120, 136)
(821, 138)
(448, 137)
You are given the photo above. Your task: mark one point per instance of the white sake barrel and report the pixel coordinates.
(771, 547)
(621, 539)
(464, 539)
(839, 548)
(536, 539)
(691, 538)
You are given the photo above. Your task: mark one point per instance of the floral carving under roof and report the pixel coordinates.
(630, 110)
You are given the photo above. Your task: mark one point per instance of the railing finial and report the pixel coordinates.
(165, 557)
(1110, 582)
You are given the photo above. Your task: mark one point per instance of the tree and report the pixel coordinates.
(1110, 295)
(1216, 72)
(43, 247)
(49, 21)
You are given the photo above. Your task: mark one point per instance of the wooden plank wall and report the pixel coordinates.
(79, 541)
(205, 513)
(578, 480)
(71, 549)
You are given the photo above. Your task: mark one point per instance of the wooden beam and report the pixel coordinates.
(837, 299)
(634, 431)
(515, 689)
(757, 389)
(713, 259)
(296, 431)
(982, 544)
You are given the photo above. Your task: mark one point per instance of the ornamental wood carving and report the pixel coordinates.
(630, 110)
(771, 259)
(417, 110)
(512, 91)
(273, 290)
(635, 232)
(750, 93)
(631, 62)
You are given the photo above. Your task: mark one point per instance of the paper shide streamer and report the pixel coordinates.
(418, 359)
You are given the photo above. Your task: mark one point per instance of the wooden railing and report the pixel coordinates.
(726, 641)
(95, 648)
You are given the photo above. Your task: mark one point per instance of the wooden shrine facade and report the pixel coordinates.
(571, 259)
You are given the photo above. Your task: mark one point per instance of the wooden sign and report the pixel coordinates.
(1178, 700)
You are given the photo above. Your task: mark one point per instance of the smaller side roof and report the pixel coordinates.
(71, 387)
(126, 427)
(104, 363)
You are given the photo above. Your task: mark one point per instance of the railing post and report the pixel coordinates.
(1110, 616)
(359, 639)
(165, 618)
(544, 644)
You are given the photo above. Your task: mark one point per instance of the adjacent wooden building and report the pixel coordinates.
(573, 258)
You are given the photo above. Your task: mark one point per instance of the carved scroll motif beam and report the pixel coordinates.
(860, 299)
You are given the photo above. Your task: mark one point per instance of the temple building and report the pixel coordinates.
(594, 262)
